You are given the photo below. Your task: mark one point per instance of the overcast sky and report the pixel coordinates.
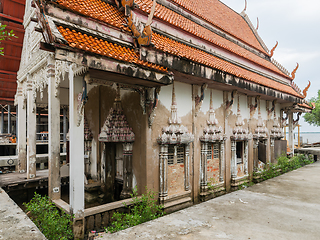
(295, 24)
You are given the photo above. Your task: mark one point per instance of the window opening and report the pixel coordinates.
(239, 152)
(175, 154)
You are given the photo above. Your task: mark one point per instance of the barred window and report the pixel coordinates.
(213, 151)
(209, 152)
(216, 150)
(171, 154)
(175, 154)
(180, 154)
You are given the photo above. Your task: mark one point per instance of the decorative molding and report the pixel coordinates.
(240, 133)
(212, 132)
(116, 127)
(296, 122)
(276, 131)
(175, 133)
(261, 132)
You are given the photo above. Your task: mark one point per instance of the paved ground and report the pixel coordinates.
(14, 223)
(286, 207)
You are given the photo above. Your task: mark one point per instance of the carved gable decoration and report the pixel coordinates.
(261, 131)
(116, 127)
(276, 131)
(212, 132)
(175, 133)
(240, 133)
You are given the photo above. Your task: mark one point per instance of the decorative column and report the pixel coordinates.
(255, 153)
(291, 140)
(76, 155)
(22, 130)
(234, 171)
(127, 170)
(54, 180)
(9, 119)
(203, 165)
(186, 168)
(31, 133)
(222, 160)
(245, 157)
(163, 171)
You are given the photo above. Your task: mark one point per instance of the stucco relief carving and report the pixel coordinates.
(39, 81)
(261, 132)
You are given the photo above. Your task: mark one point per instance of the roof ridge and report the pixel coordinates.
(241, 38)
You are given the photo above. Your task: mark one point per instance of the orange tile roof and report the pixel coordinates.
(223, 17)
(105, 48)
(97, 9)
(179, 49)
(105, 12)
(179, 21)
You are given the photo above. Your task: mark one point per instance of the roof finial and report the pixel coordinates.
(274, 48)
(174, 100)
(245, 6)
(149, 21)
(293, 74)
(257, 24)
(306, 89)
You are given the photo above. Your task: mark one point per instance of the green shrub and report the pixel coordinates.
(55, 225)
(144, 208)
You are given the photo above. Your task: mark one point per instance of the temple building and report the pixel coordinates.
(179, 97)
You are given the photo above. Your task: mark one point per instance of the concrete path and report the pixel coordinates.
(286, 207)
(14, 223)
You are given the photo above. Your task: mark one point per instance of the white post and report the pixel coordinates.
(54, 133)
(31, 134)
(186, 168)
(245, 157)
(291, 140)
(203, 165)
(76, 156)
(234, 172)
(65, 131)
(22, 137)
(9, 119)
(163, 193)
(222, 157)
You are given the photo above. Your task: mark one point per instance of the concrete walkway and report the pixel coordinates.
(14, 223)
(286, 207)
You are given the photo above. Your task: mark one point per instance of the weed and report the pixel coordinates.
(144, 208)
(54, 224)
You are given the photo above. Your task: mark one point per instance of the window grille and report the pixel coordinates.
(175, 154)
(209, 151)
(171, 154)
(180, 154)
(216, 150)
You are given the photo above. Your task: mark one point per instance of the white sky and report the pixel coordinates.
(295, 25)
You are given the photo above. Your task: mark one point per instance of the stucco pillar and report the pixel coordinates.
(31, 133)
(54, 181)
(245, 157)
(65, 130)
(222, 161)
(186, 168)
(127, 170)
(9, 118)
(76, 140)
(203, 166)
(272, 150)
(22, 136)
(234, 171)
(255, 153)
(291, 137)
(163, 171)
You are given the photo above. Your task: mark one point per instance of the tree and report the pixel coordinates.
(4, 34)
(313, 118)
